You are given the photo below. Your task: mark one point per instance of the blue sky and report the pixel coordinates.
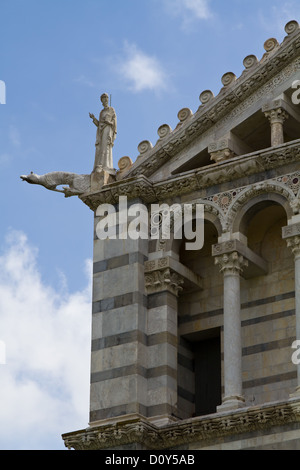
(154, 57)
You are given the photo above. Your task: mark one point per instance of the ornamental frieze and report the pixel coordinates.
(204, 430)
(222, 110)
(237, 168)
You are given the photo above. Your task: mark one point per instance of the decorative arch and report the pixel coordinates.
(212, 213)
(267, 191)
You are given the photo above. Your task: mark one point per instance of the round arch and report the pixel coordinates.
(211, 215)
(236, 217)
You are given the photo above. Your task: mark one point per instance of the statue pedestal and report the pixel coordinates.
(100, 177)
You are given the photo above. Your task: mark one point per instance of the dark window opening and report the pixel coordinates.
(199, 374)
(207, 364)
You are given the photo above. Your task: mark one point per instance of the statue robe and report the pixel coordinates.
(106, 134)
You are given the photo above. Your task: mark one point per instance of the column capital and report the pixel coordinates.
(276, 115)
(168, 274)
(276, 112)
(256, 266)
(231, 263)
(160, 276)
(163, 280)
(294, 244)
(291, 233)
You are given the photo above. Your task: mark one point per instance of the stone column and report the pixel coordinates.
(231, 265)
(276, 115)
(292, 235)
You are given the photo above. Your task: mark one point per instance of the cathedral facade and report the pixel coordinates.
(197, 348)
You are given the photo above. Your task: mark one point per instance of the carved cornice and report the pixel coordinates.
(234, 96)
(238, 167)
(201, 429)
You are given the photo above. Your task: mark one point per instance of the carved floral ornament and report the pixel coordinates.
(226, 205)
(204, 430)
(149, 192)
(163, 280)
(231, 263)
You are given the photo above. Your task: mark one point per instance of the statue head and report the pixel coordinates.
(104, 98)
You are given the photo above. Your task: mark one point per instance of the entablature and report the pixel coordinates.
(235, 173)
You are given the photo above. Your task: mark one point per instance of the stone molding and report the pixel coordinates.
(201, 429)
(240, 94)
(246, 165)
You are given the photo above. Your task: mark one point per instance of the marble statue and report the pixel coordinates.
(106, 134)
(103, 171)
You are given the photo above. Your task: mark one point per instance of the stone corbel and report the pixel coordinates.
(247, 262)
(167, 274)
(221, 150)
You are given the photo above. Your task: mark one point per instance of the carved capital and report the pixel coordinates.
(295, 205)
(276, 112)
(294, 244)
(161, 276)
(291, 233)
(163, 280)
(231, 263)
(277, 115)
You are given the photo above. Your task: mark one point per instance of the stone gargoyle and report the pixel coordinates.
(77, 184)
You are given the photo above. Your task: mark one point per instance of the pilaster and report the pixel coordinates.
(163, 285)
(291, 234)
(118, 358)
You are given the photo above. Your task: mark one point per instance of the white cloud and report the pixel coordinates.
(45, 381)
(141, 71)
(199, 8)
(189, 10)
